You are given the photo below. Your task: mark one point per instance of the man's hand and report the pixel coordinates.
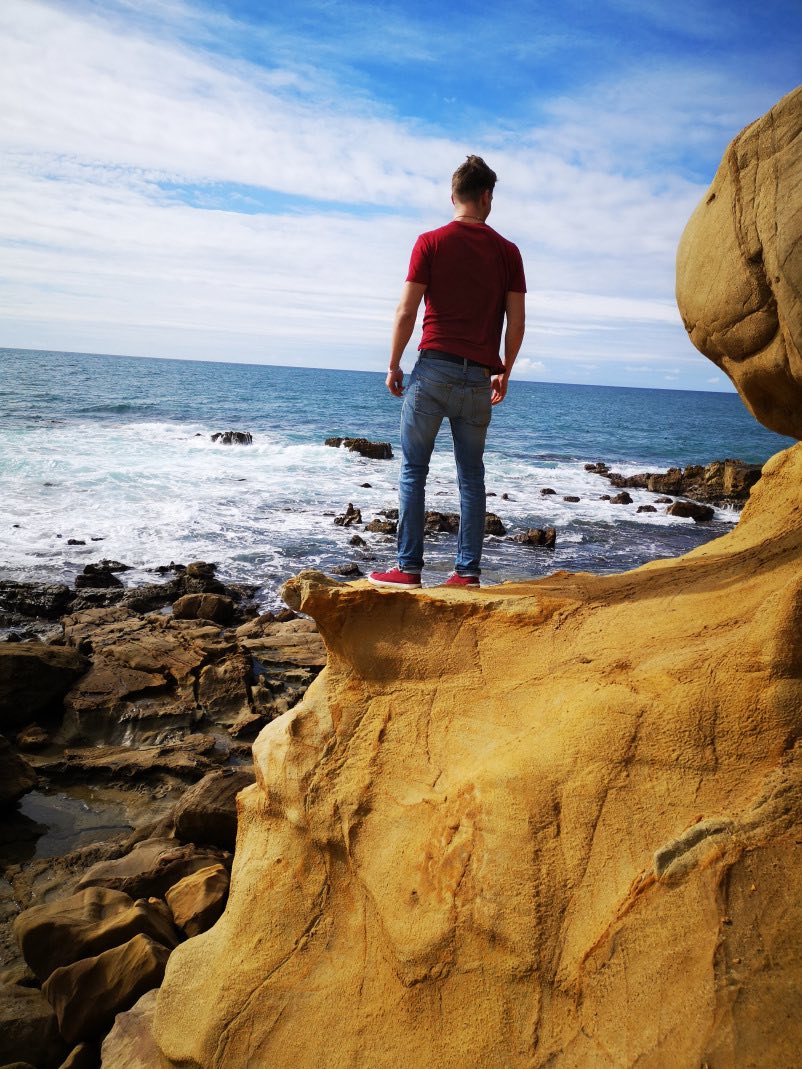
(395, 382)
(499, 384)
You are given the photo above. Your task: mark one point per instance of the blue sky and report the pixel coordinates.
(244, 181)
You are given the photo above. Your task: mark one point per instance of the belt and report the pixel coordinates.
(435, 354)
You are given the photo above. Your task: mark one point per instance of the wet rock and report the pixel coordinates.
(349, 517)
(356, 540)
(198, 901)
(85, 924)
(207, 814)
(493, 524)
(537, 536)
(110, 565)
(664, 500)
(97, 598)
(621, 499)
(605, 497)
(152, 867)
(571, 497)
(721, 482)
(378, 526)
(34, 678)
(45, 600)
(75, 542)
(130, 1043)
(365, 448)
(351, 570)
(16, 775)
(646, 508)
(151, 596)
(216, 607)
(366, 486)
(233, 438)
(698, 513)
(94, 575)
(87, 995)
(28, 1027)
(599, 468)
(546, 490)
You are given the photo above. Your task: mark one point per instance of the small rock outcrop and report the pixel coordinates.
(233, 438)
(365, 448)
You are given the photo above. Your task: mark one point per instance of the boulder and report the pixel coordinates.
(494, 525)
(621, 499)
(697, 512)
(28, 1027)
(739, 265)
(352, 571)
(378, 526)
(207, 813)
(233, 438)
(89, 994)
(198, 901)
(17, 777)
(646, 508)
(356, 540)
(537, 536)
(130, 1043)
(99, 575)
(152, 867)
(365, 448)
(572, 498)
(62, 931)
(547, 490)
(34, 678)
(216, 607)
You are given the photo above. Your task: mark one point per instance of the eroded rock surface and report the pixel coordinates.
(739, 266)
(554, 823)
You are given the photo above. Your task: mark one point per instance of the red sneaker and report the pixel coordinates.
(396, 578)
(461, 580)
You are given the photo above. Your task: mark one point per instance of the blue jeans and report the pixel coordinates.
(438, 389)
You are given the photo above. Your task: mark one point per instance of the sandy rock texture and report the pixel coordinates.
(739, 266)
(552, 823)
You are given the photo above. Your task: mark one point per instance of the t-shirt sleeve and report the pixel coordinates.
(517, 278)
(420, 263)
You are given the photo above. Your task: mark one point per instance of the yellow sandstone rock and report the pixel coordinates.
(739, 267)
(552, 823)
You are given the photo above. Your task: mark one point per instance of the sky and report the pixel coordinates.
(244, 181)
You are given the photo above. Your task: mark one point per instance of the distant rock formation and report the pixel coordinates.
(739, 266)
(365, 448)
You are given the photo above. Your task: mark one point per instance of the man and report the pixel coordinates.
(471, 278)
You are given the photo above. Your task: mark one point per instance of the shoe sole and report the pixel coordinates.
(395, 586)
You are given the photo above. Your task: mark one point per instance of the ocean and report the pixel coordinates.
(116, 453)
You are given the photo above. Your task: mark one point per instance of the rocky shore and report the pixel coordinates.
(145, 699)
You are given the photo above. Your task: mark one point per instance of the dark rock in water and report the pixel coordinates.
(233, 438)
(621, 499)
(46, 600)
(100, 575)
(698, 513)
(216, 607)
(493, 524)
(721, 482)
(571, 497)
(537, 536)
(366, 486)
(97, 538)
(201, 569)
(207, 813)
(378, 526)
(491, 493)
(664, 500)
(75, 542)
(349, 517)
(646, 508)
(347, 569)
(16, 775)
(506, 497)
(605, 497)
(356, 540)
(109, 566)
(365, 448)
(546, 490)
(441, 521)
(599, 468)
(34, 678)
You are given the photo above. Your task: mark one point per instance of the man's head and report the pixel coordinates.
(471, 180)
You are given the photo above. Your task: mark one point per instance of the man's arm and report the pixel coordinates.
(513, 339)
(405, 316)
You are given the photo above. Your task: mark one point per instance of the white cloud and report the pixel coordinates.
(99, 112)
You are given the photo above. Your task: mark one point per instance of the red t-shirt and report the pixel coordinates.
(468, 270)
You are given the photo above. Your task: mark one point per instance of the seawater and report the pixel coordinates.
(119, 450)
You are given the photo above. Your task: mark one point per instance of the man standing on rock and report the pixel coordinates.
(471, 278)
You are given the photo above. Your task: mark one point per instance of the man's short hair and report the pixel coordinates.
(472, 178)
